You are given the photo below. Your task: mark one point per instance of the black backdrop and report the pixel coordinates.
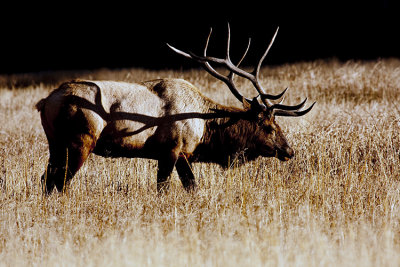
(64, 36)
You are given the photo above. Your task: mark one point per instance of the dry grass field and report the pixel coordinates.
(337, 203)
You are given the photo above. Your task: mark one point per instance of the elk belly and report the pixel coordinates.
(123, 139)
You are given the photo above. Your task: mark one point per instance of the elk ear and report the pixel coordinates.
(252, 105)
(246, 104)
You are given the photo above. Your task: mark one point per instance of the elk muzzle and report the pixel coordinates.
(285, 153)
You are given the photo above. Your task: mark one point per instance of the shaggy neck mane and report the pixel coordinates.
(227, 137)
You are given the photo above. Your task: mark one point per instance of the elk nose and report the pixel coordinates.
(288, 153)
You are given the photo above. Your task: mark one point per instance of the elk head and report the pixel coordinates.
(267, 138)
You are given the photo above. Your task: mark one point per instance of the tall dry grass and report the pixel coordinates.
(337, 203)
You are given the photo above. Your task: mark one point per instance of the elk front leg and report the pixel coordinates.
(184, 169)
(165, 166)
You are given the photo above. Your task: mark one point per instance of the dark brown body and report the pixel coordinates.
(168, 120)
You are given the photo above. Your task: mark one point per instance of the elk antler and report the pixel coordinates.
(228, 80)
(277, 109)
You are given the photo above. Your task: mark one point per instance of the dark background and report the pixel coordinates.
(73, 36)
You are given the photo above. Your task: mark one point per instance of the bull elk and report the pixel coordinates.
(168, 120)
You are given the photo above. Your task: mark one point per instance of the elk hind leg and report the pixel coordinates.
(65, 160)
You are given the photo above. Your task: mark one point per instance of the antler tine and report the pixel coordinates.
(231, 73)
(279, 109)
(257, 69)
(228, 44)
(273, 97)
(286, 107)
(292, 113)
(180, 52)
(255, 73)
(208, 40)
(245, 53)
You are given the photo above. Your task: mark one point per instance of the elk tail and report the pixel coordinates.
(40, 105)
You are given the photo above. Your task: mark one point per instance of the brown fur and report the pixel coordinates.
(168, 120)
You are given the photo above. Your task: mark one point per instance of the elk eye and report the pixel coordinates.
(268, 128)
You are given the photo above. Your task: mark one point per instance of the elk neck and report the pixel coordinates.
(226, 137)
